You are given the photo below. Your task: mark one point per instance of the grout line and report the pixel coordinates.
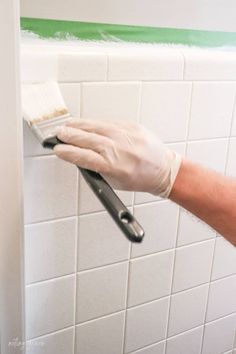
(91, 320)
(214, 248)
(76, 266)
(51, 333)
(147, 346)
(125, 261)
(127, 286)
(172, 279)
(178, 223)
(209, 139)
(121, 311)
(130, 246)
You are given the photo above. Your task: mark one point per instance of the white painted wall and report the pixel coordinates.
(202, 14)
(10, 181)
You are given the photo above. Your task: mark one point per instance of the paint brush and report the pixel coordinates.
(44, 110)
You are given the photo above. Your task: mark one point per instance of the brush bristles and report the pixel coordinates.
(42, 101)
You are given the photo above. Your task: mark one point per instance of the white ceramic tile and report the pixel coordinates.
(187, 309)
(49, 249)
(210, 153)
(71, 95)
(89, 203)
(193, 265)
(211, 109)
(158, 348)
(100, 241)
(141, 197)
(119, 101)
(186, 343)
(224, 259)
(146, 324)
(103, 336)
(231, 166)
(219, 335)
(101, 291)
(38, 67)
(165, 109)
(49, 306)
(150, 277)
(205, 64)
(191, 229)
(59, 342)
(159, 221)
(50, 189)
(145, 64)
(222, 299)
(74, 67)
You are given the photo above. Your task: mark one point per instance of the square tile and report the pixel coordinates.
(209, 153)
(150, 277)
(100, 242)
(49, 306)
(54, 243)
(159, 221)
(89, 203)
(224, 260)
(192, 229)
(168, 121)
(101, 291)
(119, 101)
(191, 302)
(71, 95)
(193, 265)
(219, 335)
(158, 348)
(205, 64)
(141, 197)
(231, 166)
(82, 66)
(59, 342)
(146, 324)
(211, 109)
(186, 343)
(221, 298)
(38, 66)
(148, 64)
(50, 189)
(103, 336)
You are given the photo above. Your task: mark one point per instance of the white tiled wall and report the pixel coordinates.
(88, 290)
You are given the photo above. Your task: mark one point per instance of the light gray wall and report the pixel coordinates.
(194, 14)
(11, 208)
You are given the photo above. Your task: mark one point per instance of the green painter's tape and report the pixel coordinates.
(96, 31)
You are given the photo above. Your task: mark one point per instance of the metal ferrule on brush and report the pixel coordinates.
(46, 129)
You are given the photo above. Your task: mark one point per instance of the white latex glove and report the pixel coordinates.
(126, 154)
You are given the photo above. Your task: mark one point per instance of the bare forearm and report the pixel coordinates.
(208, 195)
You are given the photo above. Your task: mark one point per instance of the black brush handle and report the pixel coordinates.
(118, 211)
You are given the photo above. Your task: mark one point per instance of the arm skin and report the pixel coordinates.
(208, 195)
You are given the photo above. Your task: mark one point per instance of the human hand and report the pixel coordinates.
(126, 154)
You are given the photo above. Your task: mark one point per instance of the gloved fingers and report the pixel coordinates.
(101, 127)
(82, 157)
(83, 139)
